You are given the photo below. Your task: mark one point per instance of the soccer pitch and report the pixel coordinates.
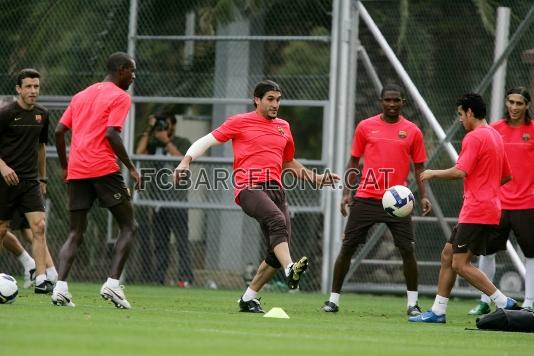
(168, 320)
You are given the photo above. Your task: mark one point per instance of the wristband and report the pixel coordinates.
(43, 180)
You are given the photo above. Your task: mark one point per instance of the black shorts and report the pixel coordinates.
(24, 197)
(521, 222)
(19, 221)
(109, 189)
(476, 238)
(364, 213)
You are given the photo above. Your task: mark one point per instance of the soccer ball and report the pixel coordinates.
(8, 289)
(398, 201)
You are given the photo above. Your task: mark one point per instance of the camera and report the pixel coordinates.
(161, 123)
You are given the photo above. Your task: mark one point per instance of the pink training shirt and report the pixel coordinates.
(260, 147)
(484, 161)
(518, 194)
(387, 150)
(88, 115)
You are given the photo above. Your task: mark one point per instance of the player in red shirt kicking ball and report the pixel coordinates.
(96, 116)
(483, 166)
(263, 147)
(388, 142)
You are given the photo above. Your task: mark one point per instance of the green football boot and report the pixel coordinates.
(481, 309)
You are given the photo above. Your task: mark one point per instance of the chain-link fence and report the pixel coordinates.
(445, 56)
(199, 60)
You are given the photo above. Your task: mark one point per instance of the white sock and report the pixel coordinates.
(487, 265)
(51, 274)
(26, 260)
(40, 279)
(440, 305)
(412, 297)
(112, 283)
(286, 270)
(249, 295)
(499, 299)
(334, 298)
(529, 283)
(62, 286)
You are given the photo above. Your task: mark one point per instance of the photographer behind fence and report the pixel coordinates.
(159, 138)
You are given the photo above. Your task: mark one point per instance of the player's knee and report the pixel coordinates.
(407, 251)
(3, 229)
(446, 255)
(348, 247)
(130, 227)
(276, 222)
(458, 266)
(38, 229)
(272, 261)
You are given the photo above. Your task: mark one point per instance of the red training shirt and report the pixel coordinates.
(88, 115)
(484, 162)
(387, 150)
(518, 194)
(260, 147)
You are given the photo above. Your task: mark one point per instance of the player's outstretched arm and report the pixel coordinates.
(61, 149)
(196, 150)
(114, 138)
(450, 173)
(301, 172)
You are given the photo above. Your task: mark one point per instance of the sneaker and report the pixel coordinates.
(62, 299)
(44, 288)
(428, 317)
(511, 304)
(115, 295)
(414, 310)
(330, 307)
(29, 278)
(295, 272)
(480, 309)
(250, 306)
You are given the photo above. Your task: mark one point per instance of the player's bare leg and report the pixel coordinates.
(36, 220)
(12, 244)
(111, 290)
(124, 216)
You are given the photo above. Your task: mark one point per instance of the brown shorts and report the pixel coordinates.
(364, 213)
(521, 222)
(472, 237)
(24, 197)
(268, 205)
(110, 191)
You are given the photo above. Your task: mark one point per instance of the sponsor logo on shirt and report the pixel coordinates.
(117, 196)
(402, 134)
(38, 118)
(281, 130)
(526, 136)
(18, 118)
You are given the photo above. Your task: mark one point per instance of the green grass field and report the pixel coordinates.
(168, 320)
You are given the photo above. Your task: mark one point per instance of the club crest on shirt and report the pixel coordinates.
(526, 137)
(402, 134)
(117, 196)
(38, 118)
(281, 130)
